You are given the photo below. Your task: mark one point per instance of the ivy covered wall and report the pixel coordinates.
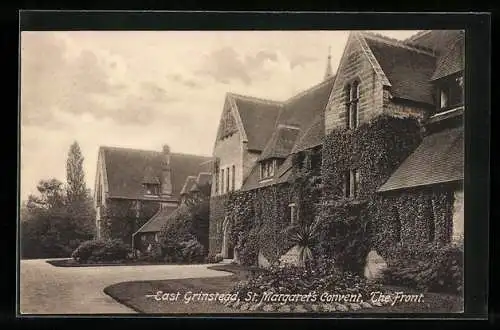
(370, 220)
(123, 217)
(217, 215)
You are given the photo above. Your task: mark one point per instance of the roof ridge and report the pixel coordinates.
(155, 151)
(191, 155)
(258, 99)
(310, 89)
(127, 148)
(399, 43)
(417, 35)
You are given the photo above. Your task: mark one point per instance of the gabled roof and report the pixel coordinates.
(312, 136)
(281, 142)
(451, 61)
(157, 221)
(437, 41)
(126, 169)
(438, 159)
(258, 117)
(201, 180)
(408, 69)
(188, 185)
(306, 111)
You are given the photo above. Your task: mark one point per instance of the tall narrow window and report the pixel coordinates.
(232, 178)
(222, 181)
(347, 184)
(293, 213)
(227, 179)
(351, 183)
(354, 183)
(347, 93)
(352, 96)
(216, 181)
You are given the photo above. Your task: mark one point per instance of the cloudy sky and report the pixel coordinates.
(146, 89)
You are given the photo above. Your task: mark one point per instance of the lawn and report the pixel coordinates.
(133, 295)
(72, 263)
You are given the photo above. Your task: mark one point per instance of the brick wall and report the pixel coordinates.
(354, 65)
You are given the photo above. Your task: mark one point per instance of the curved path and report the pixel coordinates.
(47, 289)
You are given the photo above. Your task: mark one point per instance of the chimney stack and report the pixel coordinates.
(166, 183)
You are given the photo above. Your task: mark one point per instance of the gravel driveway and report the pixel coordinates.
(46, 289)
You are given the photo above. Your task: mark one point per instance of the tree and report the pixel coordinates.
(75, 177)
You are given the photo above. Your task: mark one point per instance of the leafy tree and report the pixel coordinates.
(56, 220)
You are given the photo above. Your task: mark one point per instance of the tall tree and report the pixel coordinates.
(75, 177)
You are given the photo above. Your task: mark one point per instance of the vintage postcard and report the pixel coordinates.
(237, 172)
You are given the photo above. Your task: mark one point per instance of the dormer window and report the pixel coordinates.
(267, 168)
(450, 93)
(152, 189)
(352, 100)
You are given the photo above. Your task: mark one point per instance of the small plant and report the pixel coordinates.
(305, 238)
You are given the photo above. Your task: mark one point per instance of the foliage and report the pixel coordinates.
(214, 258)
(353, 225)
(431, 267)
(51, 226)
(184, 238)
(75, 178)
(190, 251)
(101, 250)
(305, 236)
(122, 218)
(319, 276)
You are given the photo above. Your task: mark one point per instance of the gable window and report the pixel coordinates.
(232, 178)
(451, 93)
(267, 169)
(351, 183)
(352, 100)
(152, 188)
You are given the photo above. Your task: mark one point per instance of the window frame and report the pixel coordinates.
(222, 181)
(446, 86)
(352, 92)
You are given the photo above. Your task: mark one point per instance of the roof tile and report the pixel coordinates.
(438, 159)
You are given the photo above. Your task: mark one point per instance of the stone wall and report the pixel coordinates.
(229, 151)
(354, 65)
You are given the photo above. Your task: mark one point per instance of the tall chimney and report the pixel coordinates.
(166, 182)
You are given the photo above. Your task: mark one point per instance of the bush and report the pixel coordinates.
(101, 250)
(429, 268)
(320, 275)
(214, 258)
(189, 251)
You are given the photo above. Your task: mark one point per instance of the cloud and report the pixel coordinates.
(301, 60)
(225, 65)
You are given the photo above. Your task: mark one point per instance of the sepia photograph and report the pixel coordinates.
(241, 172)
